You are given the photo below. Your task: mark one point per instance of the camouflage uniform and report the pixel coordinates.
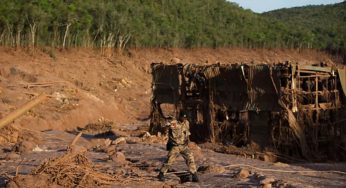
(179, 138)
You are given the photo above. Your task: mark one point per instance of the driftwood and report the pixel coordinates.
(76, 139)
(22, 110)
(43, 84)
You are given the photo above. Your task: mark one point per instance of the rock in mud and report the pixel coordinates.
(101, 127)
(77, 149)
(11, 184)
(29, 181)
(269, 157)
(243, 173)
(280, 164)
(121, 140)
(196, 150)
(146, 135)
(133, 140)
(111, 150)
(107, 142)
(25, 146)
(119, 158)
(267, 182)
(215, 169)
(268, 185)
(118, 133)
(157, 164)
(12, 156)
(175, 60)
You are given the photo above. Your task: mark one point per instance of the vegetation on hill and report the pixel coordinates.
(148, 23)
(325, 25)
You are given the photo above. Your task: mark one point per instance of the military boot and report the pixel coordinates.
(161, 176)
(195, 177)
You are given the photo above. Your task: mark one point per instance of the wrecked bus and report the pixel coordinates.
(297, 110)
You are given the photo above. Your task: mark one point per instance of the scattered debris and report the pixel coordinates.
(66, 103)
(38, 149)
(71, 170)
(101, 127)
(125, 82)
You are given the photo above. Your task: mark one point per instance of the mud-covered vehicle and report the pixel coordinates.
(296, 110)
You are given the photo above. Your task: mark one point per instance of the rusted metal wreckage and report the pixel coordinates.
(298, 110)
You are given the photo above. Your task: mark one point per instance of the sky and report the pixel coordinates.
(260, 6)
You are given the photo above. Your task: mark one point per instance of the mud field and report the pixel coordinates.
(107, 97)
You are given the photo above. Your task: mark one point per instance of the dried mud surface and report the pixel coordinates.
(107, 96)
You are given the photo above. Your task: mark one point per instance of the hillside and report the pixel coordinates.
(117, 88)
(324, 24)
(143, 23)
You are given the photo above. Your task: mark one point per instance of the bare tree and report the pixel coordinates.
(122, 42)
(18, 35)
(33, 29)
(66, 34)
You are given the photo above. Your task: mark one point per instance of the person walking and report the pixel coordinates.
(178, 140)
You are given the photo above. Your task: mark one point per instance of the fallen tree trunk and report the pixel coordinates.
(22, 110)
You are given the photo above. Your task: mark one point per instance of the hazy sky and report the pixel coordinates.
(267, 5)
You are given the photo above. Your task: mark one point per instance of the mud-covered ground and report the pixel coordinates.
(141, 158)
(87, 88)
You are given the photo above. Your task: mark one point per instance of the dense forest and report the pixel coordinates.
(325, 24)
(165, 23)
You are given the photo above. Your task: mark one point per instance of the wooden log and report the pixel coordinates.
(76, 139)
(22, 110)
